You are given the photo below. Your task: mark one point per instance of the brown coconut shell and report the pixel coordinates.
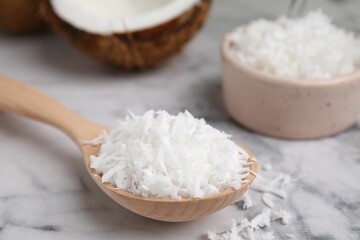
(134, 50)
(20, 16)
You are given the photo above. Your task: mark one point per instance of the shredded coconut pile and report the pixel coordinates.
(165, 156)
(307, 48)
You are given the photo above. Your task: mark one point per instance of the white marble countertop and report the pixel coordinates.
(45, 192)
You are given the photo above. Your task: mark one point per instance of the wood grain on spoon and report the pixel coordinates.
(24, 100)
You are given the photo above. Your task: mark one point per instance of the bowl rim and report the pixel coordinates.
(228, 57)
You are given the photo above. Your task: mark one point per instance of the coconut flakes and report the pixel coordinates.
(297, 48)
(246, 230)
(247, 201)
(257, 227)
(165, 156)
(290, 235)
(276, 186)
(267, 200)
(283, 215)
(249, 230)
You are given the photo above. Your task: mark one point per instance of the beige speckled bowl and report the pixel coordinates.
(287, 108)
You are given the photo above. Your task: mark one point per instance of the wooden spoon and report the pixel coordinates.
(22, 99)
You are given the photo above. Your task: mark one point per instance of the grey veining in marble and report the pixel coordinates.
(45, 192)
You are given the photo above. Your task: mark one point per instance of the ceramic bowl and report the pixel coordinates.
(285, 108)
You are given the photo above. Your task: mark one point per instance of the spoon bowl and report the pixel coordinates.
(170, 210)
(22, 99)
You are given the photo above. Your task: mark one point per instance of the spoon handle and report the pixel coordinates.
(25, 100)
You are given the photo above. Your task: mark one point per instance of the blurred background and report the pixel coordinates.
(45, 192)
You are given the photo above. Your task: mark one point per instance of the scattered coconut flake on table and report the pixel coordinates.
(297, 48)
(249, 230)
(274, 185)
(247, 201)
(246, 229)
(261, 220)
(290, 236)
(267, 200)
(283, 215)
(165, 156)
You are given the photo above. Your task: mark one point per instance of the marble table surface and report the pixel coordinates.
(45, 192)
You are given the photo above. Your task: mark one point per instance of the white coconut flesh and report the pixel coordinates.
(107, 17)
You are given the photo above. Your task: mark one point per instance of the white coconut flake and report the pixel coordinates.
(268, 236)
(262, 219)
(283, 215)
(297, 48)
(290, 236)
(165, 156)
(212, 235)
(267, 200)
(247, 201)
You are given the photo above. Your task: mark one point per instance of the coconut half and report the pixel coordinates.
(130, 34)
(20, 16)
